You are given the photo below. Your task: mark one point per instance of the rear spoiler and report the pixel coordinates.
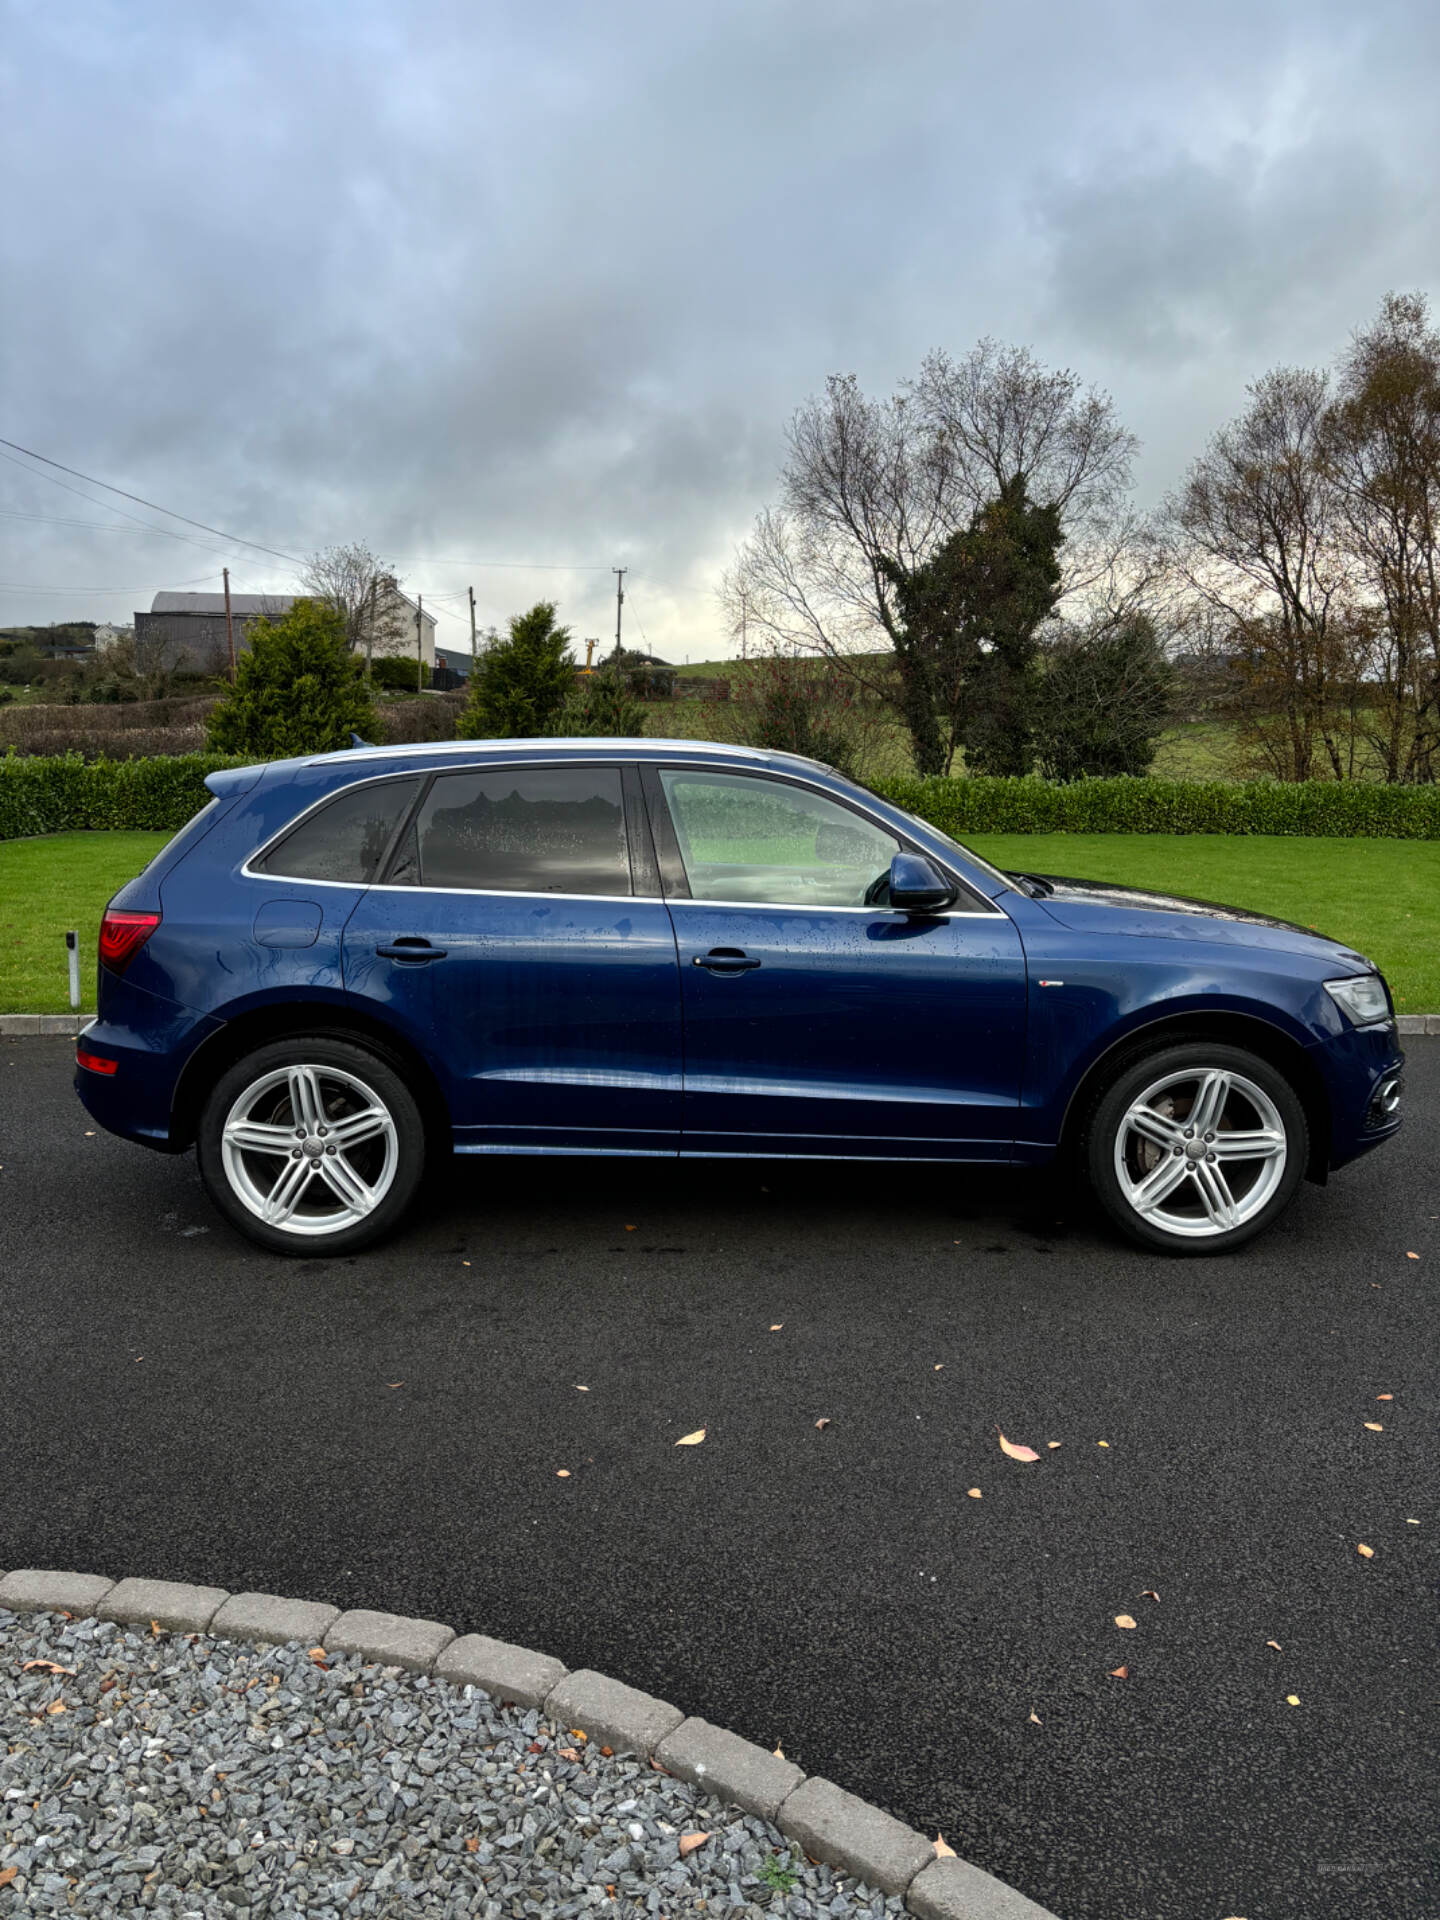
(226, 782)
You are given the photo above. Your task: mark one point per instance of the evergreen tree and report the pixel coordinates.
(520, 683)
(298, 689)
(601, 704)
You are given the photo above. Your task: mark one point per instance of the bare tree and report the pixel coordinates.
(365, 591)
(1382, 444)
(871, 490)
(1251, 534)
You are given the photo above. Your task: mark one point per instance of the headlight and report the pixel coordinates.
(1363, 998)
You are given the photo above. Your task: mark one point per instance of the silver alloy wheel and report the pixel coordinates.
(1200, 1152)
(309, 1149)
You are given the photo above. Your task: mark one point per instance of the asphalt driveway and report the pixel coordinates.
(388, 1430)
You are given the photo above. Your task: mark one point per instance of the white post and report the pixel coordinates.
(72, 943)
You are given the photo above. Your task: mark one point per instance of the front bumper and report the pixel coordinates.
(1360, 1064)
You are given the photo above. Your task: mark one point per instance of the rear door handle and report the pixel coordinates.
(725, 960)
(411, 949)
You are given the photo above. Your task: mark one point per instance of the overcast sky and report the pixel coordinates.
(482, 282)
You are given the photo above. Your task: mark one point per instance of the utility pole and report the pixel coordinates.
(370, 632)
(620, 573)
(419, 643)
(229, 623)
(474, 654)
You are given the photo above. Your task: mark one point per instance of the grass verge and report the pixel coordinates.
(1383, 896)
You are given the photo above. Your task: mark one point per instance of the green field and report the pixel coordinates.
(1381, 895)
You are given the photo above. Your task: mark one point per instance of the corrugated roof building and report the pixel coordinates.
(187, 630)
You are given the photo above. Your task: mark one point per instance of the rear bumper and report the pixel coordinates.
(150, 1040)
(1357, 1065)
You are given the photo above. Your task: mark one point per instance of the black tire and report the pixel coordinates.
(1123, 1162)
(349, 1086)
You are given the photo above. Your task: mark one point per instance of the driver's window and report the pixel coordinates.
(765, 842)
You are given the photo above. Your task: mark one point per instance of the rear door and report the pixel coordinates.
(816, 1023)
(520, 941)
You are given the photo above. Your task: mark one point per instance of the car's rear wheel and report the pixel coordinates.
(312, 1146)
(1196, 1148)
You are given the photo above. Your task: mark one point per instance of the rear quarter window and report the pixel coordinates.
(344, 839)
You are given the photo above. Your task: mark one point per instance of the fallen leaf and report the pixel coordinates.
(779, 1753)
(822, 1424)
(1366, 1553)
(56, 1706)
(90, 1135)
(154, 1629)
(608, 1753)
(1412, 1523)
(394, 1383)
(777, 1326)
(629, 1229)
(464, 1263)
(939, 1367)
(942, 1852)
(690, 1841)
(1119, 1673)
(1292, 1699)
(1373, 1426)
(582, 1389)
(1124, 1620)
(472, 1845)
(318, 1655)
(1052, 1444)
(8, 1874)
(578, 1733)
(562, 1473)
(691, 1439)
(974, 1493)
(1016, 1453)
(45, 1666)
(1409, 1256)
(1384, 1396)
(1275, 1644)
(1035, 1719)
(1102, 1443)
(655, 1767)
(567, 1753)
(535, 1747)
(1149, 1593)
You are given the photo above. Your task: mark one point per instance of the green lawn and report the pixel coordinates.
(47, 886)
(1382, 895)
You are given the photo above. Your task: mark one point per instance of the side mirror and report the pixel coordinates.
(917, 885)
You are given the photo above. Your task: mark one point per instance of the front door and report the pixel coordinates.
(519, 945)
(818, 1024)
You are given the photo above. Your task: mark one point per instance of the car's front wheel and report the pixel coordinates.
(312, 1146)
(1196, 1148)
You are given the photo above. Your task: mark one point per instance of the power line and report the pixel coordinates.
(30, 586)
(153, 505)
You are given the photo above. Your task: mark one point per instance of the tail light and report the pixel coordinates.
(95, 1062)
(122, 935)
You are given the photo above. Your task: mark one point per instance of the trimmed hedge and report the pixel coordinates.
(64, 792)
(1322, 809)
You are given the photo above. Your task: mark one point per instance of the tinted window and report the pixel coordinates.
(531, 830)
(765, 841)
(344, 840)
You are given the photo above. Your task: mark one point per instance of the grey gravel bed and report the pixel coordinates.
(182, 1775)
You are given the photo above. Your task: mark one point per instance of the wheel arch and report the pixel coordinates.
(1255, 1034)
(322, 1020)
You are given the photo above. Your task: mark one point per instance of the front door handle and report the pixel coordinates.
(725, 960)
(412, 949)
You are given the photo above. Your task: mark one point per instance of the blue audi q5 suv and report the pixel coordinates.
(349, 963)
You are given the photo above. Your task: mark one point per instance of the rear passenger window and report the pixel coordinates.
(533, 830)
(345, 840)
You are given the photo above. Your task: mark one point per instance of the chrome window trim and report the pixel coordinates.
(248, 872)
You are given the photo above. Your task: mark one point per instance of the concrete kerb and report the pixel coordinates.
(831, 1825)
(17, 1025)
